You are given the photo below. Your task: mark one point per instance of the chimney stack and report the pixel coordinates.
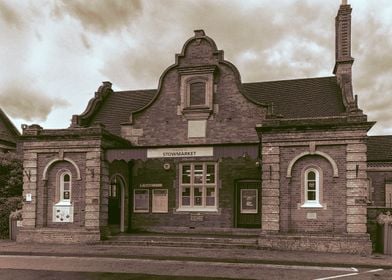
(343, 59)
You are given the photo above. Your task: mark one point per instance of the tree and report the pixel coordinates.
(11, 175)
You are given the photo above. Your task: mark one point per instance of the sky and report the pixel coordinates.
(55, 53)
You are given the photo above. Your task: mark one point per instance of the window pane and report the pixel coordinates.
(311, 175)
(197, 94)
(186, 174)
(186, 196)
(198, 196)
(210, 176)
(210, 197)
(114, 191)
(66, 194)
(198, 174)
(311, 195)
(311, 186)
(66, 178)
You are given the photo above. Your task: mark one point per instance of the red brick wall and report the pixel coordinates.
(229, 170)
(293, 218)
(377, 179)
(234, 116)
(48, 190)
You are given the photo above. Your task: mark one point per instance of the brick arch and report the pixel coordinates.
(50, 163)
(322, 154)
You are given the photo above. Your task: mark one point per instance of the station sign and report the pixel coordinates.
(180, 152)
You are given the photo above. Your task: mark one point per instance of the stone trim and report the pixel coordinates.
(352, 244)
(357, 185)
(322, 154)
(270, 192)
(45, 172)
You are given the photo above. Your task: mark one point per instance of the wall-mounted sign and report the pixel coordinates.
(151, 185)
(28, 197)
(180, 152)
(197, 217)
(160, 201)
(249, 201)
(62, 213)
(141, 201)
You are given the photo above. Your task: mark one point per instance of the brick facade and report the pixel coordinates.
(43, 160)
(340, 155)
(229, 170)
(239, 130)
(233, 118)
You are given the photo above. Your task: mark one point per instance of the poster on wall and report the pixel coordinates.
(141, 201)
(249, 201)
(160, 201)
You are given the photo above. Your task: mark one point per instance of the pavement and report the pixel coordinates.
(246, 256)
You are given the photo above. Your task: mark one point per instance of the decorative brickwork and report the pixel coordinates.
(45, 156)
(270, 187)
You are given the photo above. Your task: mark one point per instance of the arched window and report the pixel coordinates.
(65, 187)
(311, 188)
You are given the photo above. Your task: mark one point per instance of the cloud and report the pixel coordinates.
(283, 44)
(101, 15)
(28, 103)
(68, 45)
(372, 41)
(9, 15)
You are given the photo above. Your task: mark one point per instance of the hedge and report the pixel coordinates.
(7, 205)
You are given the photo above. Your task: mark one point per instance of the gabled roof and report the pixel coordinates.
(300, 98)
(379, 148)
(117, 108)
(8, 131)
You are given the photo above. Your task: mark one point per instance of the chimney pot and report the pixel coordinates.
(199, 33)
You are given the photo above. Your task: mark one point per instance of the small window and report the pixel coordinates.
(311, 188)
(197, 94)
(65, 187)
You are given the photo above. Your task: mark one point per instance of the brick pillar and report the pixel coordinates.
(104, 211)
(270, 188)
(30, 187)
(357, 188)
(93, 185)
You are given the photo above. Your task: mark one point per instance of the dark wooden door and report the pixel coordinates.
(114, 204)
(248, 204)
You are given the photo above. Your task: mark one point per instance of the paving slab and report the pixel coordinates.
(178, 253)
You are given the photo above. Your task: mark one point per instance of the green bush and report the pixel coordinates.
(7, 205)
(11, 175)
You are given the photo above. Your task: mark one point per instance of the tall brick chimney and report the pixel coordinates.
(344, 61)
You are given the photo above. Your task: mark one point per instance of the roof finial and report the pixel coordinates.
(344, 2)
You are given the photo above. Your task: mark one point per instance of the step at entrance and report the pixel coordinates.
(187, 241)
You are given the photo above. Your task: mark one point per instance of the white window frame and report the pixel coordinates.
(192, 185)
(316, 203)
(62, 200)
